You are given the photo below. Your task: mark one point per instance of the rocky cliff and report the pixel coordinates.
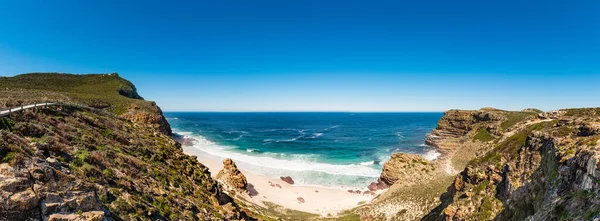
(416, 184)
(67, 163)
(107, 92)
(543, 170)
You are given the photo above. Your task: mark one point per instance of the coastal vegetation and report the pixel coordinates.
(116, 161)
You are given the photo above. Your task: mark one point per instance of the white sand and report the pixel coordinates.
(318, 200)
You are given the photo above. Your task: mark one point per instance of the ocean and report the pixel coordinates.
(337, 150)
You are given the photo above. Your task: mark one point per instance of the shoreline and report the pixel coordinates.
(324, 201)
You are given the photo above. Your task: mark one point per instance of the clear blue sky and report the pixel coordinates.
(318, 55)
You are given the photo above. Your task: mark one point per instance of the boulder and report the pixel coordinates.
(231, 176)
(287, 179)
(404, 167)
(89, 216)
(300, 200)
(586, 130)
(379, 185)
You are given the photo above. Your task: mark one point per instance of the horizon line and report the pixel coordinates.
(296, 111)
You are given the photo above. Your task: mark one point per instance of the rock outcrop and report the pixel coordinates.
(75, 164)
(148, 116)
(404, 167)
(108, 92)
(547, 170)
(408, 168)
(489, 123)
(287, 179)
(232, 177)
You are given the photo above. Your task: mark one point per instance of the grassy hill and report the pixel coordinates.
(109, 92)
(96, 90)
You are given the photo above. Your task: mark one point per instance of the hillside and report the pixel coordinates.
(67, 163)
(544, 170)
(117, 162)
(497, 165)
(108, 92)
(416, 184)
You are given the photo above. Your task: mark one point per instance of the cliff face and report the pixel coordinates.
(483, 125)
(545, 170)
(151, 115)
(108, 92)
(66, 163)
(72, 161)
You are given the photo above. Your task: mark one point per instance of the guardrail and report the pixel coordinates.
(11, 110)
(8, 111)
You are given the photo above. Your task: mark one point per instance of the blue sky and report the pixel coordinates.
(318, 55)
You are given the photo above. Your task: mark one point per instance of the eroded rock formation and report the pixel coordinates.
(231, 176)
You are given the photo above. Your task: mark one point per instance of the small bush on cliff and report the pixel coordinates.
(513, 118)
(483, 135)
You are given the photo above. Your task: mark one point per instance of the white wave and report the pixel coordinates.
(238, 138)
(294, 162)
(236, 131)
(172, 118)
(315, 135)
(368, 163)
(431, 155)
(399, 135)
(182, 133)
(423, 145)
(290, 140)
(332, 127)
(251, 150)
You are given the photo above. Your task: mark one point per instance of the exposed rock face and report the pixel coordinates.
(454, 123)
(128, 89)
(463, 124)
(589, 129)
(84, 216)
(34, 188)
(544, 171)
(287, 179)
(404, 167)
(231, 176)
(70, 164)
(152, 117)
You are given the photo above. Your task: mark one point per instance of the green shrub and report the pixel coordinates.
(513, 118)
(483, 135)
(107, 173)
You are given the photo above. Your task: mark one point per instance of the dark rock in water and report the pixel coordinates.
(351, 191)
(300, 200)
(357, 192)
(287, 179)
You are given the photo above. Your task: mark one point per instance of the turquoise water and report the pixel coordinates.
(323, 149)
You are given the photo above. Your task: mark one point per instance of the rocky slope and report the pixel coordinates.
(66, 163)
(108, 92)
(415, 184)
(545, 170)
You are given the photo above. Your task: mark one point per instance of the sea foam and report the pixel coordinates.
(295, 162)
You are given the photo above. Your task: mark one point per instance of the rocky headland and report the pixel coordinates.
(112, 162)
(116, 161)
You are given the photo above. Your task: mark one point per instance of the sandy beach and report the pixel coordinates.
(318, 200)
